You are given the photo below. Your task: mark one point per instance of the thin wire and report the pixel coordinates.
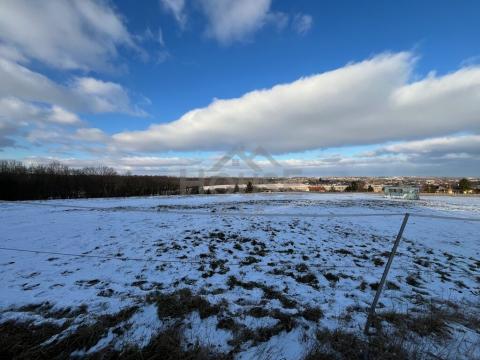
(256, 214)
(200, 213)
(224, 214)
(226, 263)
(242, 214)
(153, 260)
(444, 217)
(97, 256)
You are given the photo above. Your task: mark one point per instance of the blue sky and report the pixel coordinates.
(389, 88)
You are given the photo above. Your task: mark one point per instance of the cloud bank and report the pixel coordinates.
(369, 102)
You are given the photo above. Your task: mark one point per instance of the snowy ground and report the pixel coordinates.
(288, 275)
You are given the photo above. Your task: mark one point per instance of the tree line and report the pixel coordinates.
(19, 181)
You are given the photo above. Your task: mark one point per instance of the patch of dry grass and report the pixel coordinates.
(332, 345)
(181, 303)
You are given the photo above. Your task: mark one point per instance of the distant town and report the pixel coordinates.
(425, 185)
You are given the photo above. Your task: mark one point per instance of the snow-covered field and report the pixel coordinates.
(267, 284)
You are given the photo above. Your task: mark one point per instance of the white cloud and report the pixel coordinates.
(382, 166)
(91, 135)
(155, 161)
(177, 8)
(7, 130)
(447, 146)
(77, 34)
(62, 116)
(369, 102)
(15, 110)
(229, 21)
(31, 104)
(44, 136)
(20, 82)
(441, 161)
(302, 23)
(84, 94)
(11, 53)
(22, 113)
(135, 164)
(234, 20)
(103, 96)
(443, 156)
(13, 116)
(34, 122)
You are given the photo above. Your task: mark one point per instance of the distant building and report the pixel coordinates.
(376, 187)
(339, 187)
(442, 189)
(316, 188)
(402, 192)
(298, 187)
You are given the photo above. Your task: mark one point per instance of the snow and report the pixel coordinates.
(147, 230)
(145, 324)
